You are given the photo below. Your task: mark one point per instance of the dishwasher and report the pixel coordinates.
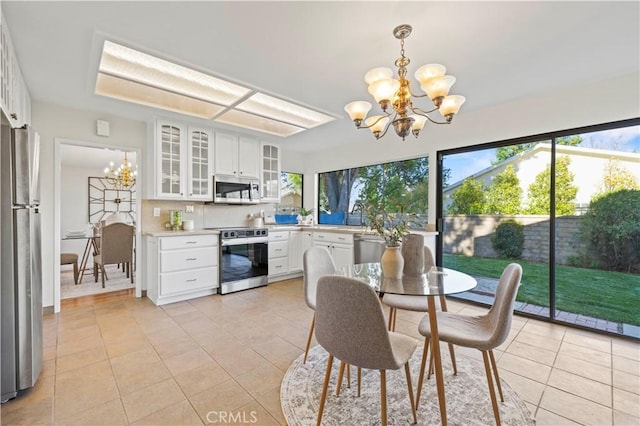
(367, 248)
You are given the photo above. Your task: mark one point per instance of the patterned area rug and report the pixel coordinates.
(468, 401)
(117, 280)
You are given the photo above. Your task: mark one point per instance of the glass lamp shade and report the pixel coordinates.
(428, 71)
(418, 122)
(379, 126)
(384, 89)
(377, 74)
(436, 87)
(451, 105)
(357, 110)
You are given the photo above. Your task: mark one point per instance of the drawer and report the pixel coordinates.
(185, 281)
(278, 236)
(333, 237)
(177, 260)
(187, 242)
(278, 249)
(279, 265)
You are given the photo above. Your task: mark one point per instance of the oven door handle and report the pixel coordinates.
(243, 241)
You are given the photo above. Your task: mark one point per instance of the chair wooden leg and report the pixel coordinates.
(425, 352)
(492, 392)
(103, 274)
(130, 271)
(75, 273)
(323, 397)
(494, 367)
(413, 403)
(453, 359)
(430, 372)
(383, 396)
(359, 379)
(391, 312)
(340, 375)
(306, 351)
(95, 272)
(349, 376)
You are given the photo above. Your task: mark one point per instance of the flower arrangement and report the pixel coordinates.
(391, 226)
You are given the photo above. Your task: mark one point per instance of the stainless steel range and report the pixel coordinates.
(244, 259)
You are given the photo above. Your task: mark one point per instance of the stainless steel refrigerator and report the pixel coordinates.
(21, 273)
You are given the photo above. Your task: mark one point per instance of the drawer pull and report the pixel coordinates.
(278, 249)
(192, 280)
(191, 242)
(191, 258)
(278, 266)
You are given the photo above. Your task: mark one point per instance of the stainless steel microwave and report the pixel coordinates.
(235, 190)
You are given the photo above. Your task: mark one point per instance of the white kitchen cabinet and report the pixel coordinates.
(295, 251)
(183, 162)
(236, 155)
(14, 96)
(270, 174)
(340, 246)
(181, 267)
(278, 253)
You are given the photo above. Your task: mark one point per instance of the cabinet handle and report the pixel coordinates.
(192, 280)
(278, 249)
(342, 238)
(279, 266)
(14, 115)
(190, 242)
(191, 258)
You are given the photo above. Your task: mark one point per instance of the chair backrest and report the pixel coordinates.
(116, 243)
(316, 262)
(501, 312)
(350, 323)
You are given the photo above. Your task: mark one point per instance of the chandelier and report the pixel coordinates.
(121, 178)
(396, 93)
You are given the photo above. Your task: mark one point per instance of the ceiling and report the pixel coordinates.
(316, 53)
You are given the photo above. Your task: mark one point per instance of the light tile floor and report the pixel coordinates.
(195, 362)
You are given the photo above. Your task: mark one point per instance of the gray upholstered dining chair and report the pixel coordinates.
(316, 262)
(416, 304)
(350, 325)
(484, 332)
(116, 246)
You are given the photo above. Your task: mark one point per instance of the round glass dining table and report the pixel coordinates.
(435, 281)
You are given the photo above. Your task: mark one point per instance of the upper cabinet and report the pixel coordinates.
(236, 155)
(14, 96)
(270, 185)
(183, 162)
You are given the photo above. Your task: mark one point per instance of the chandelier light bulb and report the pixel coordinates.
(451, 105)
(437, 87)
(357, 111)
(377, 74)
(384, 89)
(428, 71)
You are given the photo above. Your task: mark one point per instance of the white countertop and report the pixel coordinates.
(180, 233)
(273, 228)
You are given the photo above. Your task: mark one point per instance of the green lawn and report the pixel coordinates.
(613, 296)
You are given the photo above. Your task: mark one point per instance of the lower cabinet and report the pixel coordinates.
(339, 245)
(181, 267)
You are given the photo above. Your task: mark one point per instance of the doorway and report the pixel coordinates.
(83, 199)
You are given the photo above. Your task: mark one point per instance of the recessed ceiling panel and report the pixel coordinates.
(258, 123)
(268, 106)
(126, 90)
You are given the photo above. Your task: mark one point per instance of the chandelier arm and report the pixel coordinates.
(387, 127)
(375, 122)
(424, 114)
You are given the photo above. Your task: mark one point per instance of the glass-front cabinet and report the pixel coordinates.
(183, 166)
(270, 173)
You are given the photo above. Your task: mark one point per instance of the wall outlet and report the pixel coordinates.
(188, 208)
(156, 212)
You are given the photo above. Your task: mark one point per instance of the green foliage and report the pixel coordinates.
(611, 227)
(393, 227)
(305, 212)
(469, 198)
(540, 190)
(617, 177)
(506, 152)
(508, 239)
(504, 194)
(291, 182)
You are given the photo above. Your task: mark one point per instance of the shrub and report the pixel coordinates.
(508, 239)
(611, 228)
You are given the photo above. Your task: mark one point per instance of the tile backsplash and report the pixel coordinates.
(203, 216)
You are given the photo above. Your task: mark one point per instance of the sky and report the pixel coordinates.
(625, 139)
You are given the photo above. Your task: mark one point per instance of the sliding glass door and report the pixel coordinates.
(566, 207)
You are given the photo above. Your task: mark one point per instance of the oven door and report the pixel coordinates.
(244, 263)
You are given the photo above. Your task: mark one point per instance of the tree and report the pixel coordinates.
(337, 188)
(540, 190)
(469, 198)
(617, 177)
(504, 194)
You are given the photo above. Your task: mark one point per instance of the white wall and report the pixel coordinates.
(52, 122)
(73, 206)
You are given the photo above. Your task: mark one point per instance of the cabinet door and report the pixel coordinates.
(170, 142)
(226, 154)
(270, 173)
(199, 167)
(342, 255)
(248, 157)
(295, 251)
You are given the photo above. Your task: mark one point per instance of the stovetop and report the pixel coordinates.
(241, 232)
